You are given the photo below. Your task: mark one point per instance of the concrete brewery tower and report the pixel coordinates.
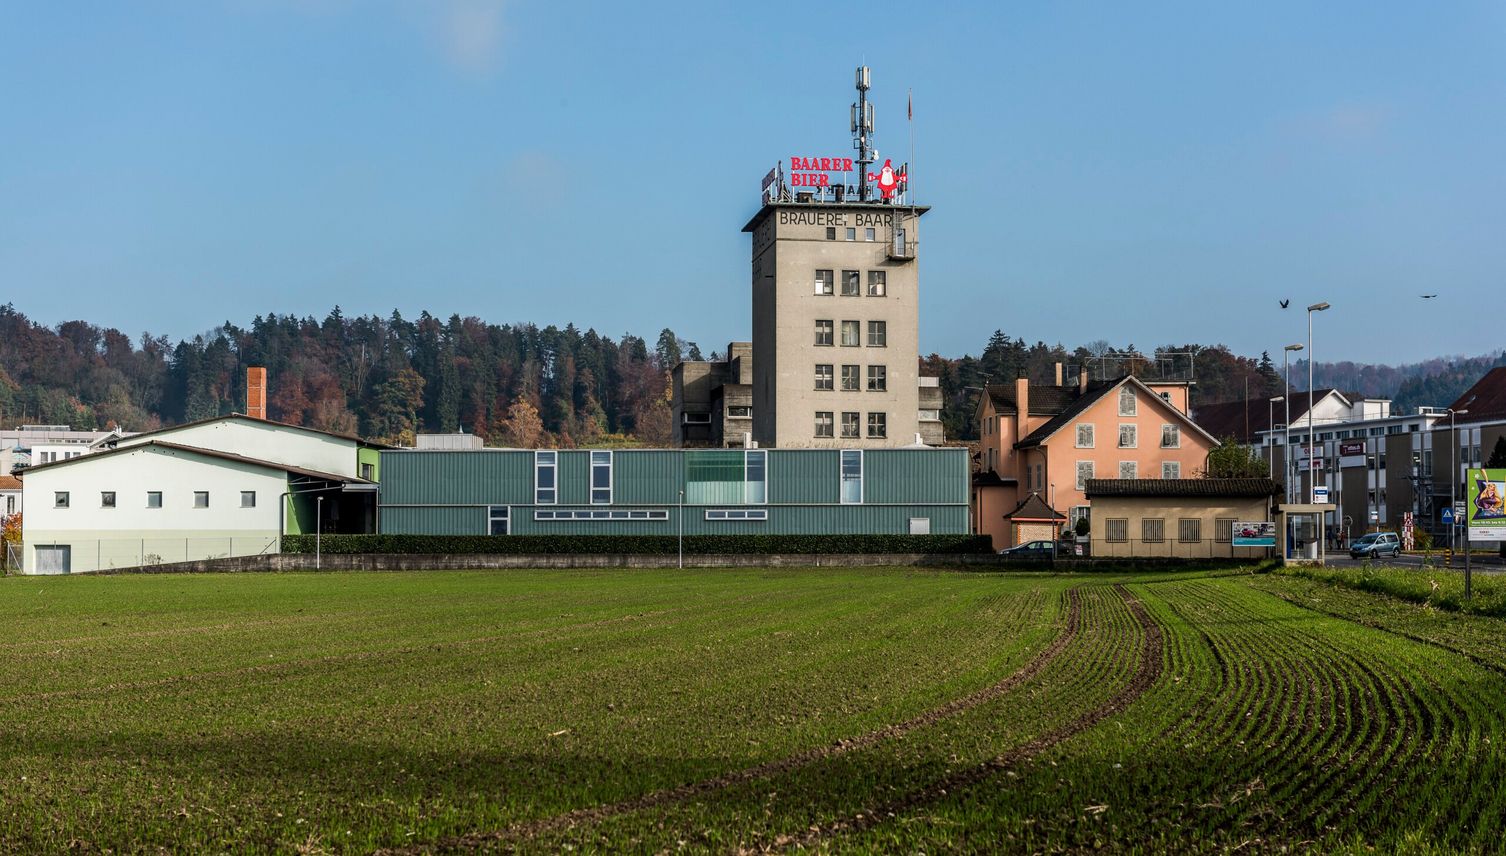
(835, 301)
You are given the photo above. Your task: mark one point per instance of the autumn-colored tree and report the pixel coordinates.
(521, 428)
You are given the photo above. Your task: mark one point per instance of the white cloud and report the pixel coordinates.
(469, 32)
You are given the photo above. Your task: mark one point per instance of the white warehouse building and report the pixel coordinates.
(229, 486)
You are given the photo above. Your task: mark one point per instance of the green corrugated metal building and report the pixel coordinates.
(641, 491)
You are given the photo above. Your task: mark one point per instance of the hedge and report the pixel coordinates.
(638, 544)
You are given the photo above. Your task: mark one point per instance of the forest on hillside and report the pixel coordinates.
(522, 385)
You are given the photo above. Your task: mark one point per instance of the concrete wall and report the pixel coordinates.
(790, 243)
(99, 536)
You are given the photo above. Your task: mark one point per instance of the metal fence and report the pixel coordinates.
(1175, 548)
(10, 558)
(104, 554)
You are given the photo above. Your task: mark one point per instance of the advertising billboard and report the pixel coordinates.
(1485, 512)
(1259, 533)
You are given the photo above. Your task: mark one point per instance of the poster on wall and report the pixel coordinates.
(1258, 533)
(1485, 512)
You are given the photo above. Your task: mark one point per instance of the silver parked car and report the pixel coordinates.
(1373, 545)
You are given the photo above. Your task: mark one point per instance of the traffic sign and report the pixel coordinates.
(1448, 517)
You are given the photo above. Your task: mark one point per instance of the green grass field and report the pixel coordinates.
(742, 710)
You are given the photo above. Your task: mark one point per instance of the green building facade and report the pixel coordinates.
(646, 491)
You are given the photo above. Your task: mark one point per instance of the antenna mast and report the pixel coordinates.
(862, 130)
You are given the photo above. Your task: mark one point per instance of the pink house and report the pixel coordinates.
(1040, 444)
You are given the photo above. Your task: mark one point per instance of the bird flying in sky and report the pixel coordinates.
(1429, 296)
(1285, 303)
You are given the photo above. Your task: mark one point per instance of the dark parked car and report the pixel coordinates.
(1373, 545)
(1028, 550)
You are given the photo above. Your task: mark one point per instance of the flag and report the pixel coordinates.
(910, 106)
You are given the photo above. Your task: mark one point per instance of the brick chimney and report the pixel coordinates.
(1058, 374)
(1082, 381)
(1022, 406)
(256, 392)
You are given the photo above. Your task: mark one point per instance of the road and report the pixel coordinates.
(1484, 564)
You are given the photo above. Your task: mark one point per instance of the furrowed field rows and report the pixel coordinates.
(778, 710)
(833, 797)
(475, 732)
(1270, 726)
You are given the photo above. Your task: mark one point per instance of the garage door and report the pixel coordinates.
(54, 559)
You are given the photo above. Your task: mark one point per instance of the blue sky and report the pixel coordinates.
(1142, 173)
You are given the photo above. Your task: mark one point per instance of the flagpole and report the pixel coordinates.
(910, 120)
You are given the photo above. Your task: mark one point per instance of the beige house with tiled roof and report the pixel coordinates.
(1048, 440)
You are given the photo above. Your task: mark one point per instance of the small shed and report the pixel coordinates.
(1034, 520)
(1183, 518)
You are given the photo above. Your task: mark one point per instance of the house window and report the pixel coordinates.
(60, 499)
(852, 379)
(851, 335)
(852, 477)
(1085, 435)
(823, 376)
(1126, 401)
(545, 491)
(1084, 472)
(1152, 530)
(831, 233)
(1171, 437)
(756, 485)
(1128, 438)
(851, 280)
(107, 499)
(10, 505)
(695, 418)
(878, 425)
(929, 415)
(1076, 513)
(248, 499)
(878, 283)
(368, 472)
(496, 520)
(824, 332)
(852, 234)
(722, 477)
(739, 411)
(1190, 530)
(154, 499)
(201, 499)
(737, 514)
(1223, 530)
(851, 424)
(1171, 470)
(1116, 530)
(869, 234)
(823, 282)
(878, 334)
(824, 424)
(878, 378)
(1128, 470)
(601, 514)
(601, 478)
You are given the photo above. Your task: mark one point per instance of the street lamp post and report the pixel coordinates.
(1453, 471)
(1270, 427)
(1312, 478)
(1286, 443)
(318, 528)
